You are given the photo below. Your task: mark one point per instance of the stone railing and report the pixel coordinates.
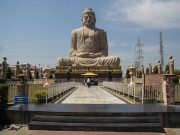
(58, 90)
(151, 93)
(52, 90)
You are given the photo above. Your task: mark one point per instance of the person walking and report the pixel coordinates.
(88, 82)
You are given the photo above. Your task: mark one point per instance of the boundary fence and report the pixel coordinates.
(148, 94)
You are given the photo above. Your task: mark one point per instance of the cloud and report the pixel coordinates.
(148, 14)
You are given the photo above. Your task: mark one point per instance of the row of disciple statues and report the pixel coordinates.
(170, 69)
(27, 70)
(18, 70)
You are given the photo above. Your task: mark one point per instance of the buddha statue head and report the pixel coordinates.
(88, 18)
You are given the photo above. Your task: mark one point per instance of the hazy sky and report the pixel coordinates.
(38, 31)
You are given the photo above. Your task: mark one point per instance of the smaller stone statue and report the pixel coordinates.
(159, 66)
(41, 73)
(137, 73)
(150, 68)
(27, 70)
(35, 72)
(171, 65)
(18, 70)
(4, 67)
(142, 69)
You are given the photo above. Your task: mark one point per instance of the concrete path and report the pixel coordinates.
(92, 95)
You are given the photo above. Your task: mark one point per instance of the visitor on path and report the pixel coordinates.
(85, 81)
(88, 82)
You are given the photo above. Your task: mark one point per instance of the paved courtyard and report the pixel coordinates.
(92, 95)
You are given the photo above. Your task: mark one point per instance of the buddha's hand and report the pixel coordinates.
(82, 54)
(88, 55)
(95, 55)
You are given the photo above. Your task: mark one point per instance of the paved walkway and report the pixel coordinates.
(92, 95)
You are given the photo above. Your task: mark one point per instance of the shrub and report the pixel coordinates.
(40, 96)
(3, 94)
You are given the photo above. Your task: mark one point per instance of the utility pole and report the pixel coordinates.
(139, 55)
(161, 52)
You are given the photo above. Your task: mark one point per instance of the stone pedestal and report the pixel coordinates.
(168, 88)
(102, 71)
(22, 89)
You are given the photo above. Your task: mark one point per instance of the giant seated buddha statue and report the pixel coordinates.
(89, 45)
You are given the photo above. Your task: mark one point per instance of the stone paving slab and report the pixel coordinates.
(92, 95)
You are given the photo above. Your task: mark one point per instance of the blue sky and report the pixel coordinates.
(38, 31)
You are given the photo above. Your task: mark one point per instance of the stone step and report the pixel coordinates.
(95, 119)
(103, 114)
(36, 125)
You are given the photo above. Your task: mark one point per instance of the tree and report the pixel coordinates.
(9, 73)
(147, 70)
(127, 73)
(177, 76)
(37, 74)
(140, 74)
(155, 70)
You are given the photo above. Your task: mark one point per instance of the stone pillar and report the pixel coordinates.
(168, 88)
(143, 85)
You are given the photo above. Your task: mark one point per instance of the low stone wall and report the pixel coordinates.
(153, 79)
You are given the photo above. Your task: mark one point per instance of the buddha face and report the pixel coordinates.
(88, 20)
